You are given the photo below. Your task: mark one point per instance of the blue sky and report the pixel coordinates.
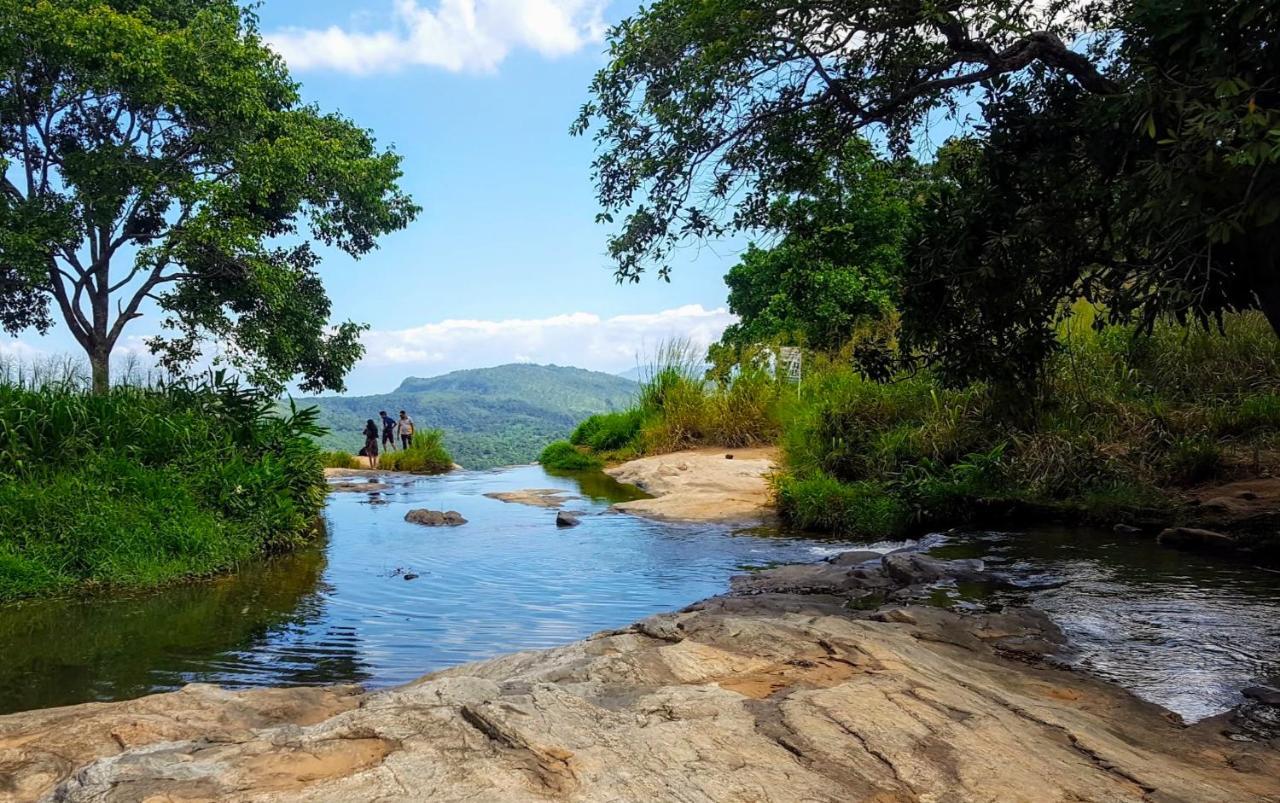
(506, 262)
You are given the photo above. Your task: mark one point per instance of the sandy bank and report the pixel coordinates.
(783, 693)
(701, 485)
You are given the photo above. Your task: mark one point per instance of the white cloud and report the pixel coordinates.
(581, 339)
(21, 351)
(456, 35)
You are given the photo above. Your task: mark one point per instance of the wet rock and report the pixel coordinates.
(1195, 539)
(855, 558)
(1127, 529)
(1263, 694)
(566, 519)
(535, 497)
(912, 568)
(435, 518)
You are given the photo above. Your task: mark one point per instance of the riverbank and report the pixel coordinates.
(781, 690)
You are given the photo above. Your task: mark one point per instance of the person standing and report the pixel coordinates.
(388, 431)
(406, 430)
(371, 443)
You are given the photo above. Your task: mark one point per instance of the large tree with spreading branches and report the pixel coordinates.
(1158, 119)
(156, 155)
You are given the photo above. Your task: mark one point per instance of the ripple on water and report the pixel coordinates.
(343, 612)
(1177, 629)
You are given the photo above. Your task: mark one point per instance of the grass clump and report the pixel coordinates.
(140, 487)
(564, 456)
(340, 460)
(426, 455)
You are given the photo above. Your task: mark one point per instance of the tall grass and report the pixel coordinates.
(426, 455)
(679, 408)
(142, 486)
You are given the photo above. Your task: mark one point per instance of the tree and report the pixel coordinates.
(838, 263)
(1138, 170)
(709, 110)
(1162, 200)
(158, 150)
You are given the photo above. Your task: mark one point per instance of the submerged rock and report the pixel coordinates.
(435, 518)
(566, 519)
(1193, 538)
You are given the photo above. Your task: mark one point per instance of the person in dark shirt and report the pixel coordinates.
(388, 431)
(371, 443)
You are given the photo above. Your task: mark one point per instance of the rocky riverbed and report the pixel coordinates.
(786, 689)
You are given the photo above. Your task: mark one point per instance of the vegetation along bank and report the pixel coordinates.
(138, 487)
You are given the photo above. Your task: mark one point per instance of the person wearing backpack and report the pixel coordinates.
(406, 430)
(371, 443)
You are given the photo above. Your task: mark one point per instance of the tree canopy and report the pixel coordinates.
(838, 262)
(1123, 151)
(158, 149)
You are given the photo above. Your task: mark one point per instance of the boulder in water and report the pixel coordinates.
(435, 518)
(1193, 538)
(566, 519)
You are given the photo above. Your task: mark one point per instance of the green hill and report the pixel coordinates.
(490, 416)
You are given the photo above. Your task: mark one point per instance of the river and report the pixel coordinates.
(1179, 630)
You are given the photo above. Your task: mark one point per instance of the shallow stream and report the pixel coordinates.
(1180, 630)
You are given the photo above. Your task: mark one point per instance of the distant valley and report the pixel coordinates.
(490, 416)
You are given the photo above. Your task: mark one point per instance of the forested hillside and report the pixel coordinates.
(490, 416)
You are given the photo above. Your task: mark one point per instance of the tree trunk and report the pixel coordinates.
(100, 362)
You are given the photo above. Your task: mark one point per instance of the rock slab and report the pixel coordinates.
(773, 697)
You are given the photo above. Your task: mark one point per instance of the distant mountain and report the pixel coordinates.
(490, 416)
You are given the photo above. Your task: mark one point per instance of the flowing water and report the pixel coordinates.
(343, 612)
(1183, 630)
(1180, 630)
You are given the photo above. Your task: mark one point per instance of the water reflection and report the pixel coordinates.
(67, 651)
(343, 612)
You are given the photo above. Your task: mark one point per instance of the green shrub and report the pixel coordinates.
(824, 504)
(140, 487)
(607, 432)
(564, 456)
(426, 455)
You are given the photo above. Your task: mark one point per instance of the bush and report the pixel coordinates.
(609, 432)
(823, 503)
(140, 487)
(426, 455)
(1119, 420)
(564, 456)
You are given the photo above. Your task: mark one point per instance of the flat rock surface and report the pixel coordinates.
(701, 485)
(536, 497)
(772, 697)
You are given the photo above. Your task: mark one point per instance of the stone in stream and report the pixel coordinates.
(435, 518)
(1193, 538)
(1263, 694)
(1127, 529)
(566, 519)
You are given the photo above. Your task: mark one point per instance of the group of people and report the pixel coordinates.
(391, 428)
